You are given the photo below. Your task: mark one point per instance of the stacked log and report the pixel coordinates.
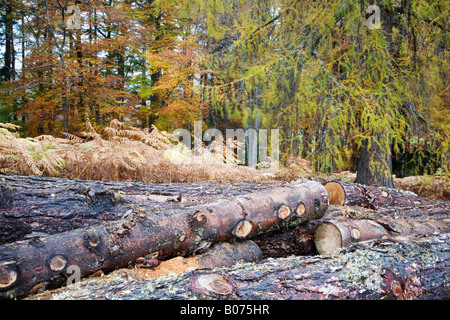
(32, 206)
(50, 225)
(352, 194)
(42, 262)
(392, 214)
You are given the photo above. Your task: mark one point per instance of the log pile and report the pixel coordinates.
(158, 233)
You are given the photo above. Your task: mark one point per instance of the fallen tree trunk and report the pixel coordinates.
(412, 269)
(43, 261)
(354, 224)
(352, 194)
(32, 206)
(219, 255)
(358, 225)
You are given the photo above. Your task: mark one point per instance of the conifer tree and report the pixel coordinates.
(337, 89)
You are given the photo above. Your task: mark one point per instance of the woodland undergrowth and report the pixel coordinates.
(119, 154)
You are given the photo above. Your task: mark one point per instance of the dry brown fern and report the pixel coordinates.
(125, 153)
(28, 155)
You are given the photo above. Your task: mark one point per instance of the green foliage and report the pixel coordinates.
(312, 69)
(329, 82)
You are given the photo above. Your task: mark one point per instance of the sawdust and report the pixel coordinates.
(173, 266)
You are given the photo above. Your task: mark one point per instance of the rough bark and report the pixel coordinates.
(380, 173)
(162, 234)
(9, 72)
(297, 240)
(352, 194)
(412, 269)
(333, 234)
(32, 206)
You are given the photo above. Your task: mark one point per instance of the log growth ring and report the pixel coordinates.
(336, 194)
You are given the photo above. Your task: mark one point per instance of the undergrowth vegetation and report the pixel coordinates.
(119, 154)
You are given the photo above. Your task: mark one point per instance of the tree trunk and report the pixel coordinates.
(375, 163)
(343, 226)
(351, 194)
(414, 269)
(335, 234)
(9, 67)
(155, 99)
(220, 255)
(43, 261)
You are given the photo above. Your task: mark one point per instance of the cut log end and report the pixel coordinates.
(327, 238)
(336, 194)
(301, 209)
(355, 234)
(58, 263)
(8, 274)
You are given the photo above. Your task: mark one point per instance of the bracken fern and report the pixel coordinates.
(124, 153)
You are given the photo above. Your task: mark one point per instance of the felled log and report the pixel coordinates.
(43, 261)
(218, 256)
(299, 240)
(412, 269)
(363, 225)
(352, 194)
(33, 206)
(347, 225)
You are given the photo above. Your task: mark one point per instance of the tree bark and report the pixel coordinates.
(220, 255)
(43, 261)
(9, 71)
(413, 269)
(297, 240)
(375, 163)
(342, 226)
(356, 224)
(352, 194)
(335, 234)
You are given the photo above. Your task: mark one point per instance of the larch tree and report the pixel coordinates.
(332, 83)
